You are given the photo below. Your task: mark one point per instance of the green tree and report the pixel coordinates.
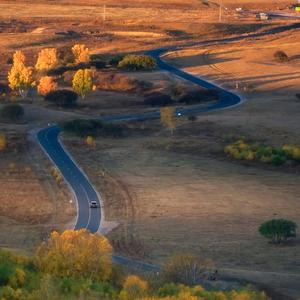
(278, 230)
(83, 82)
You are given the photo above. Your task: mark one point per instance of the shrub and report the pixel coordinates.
(281, 56)
(292, 151)
(137, 63)
(198, 96)
(62, 98)
(65, 55)
(278, 230)
(12, 111)
(93, 128)
(98, 64)
(118, 82)
(192, 118)
(115, 60)
(187, 269)
(158, 99)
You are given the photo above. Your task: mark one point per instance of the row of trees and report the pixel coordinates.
(78, 265)
(22, 77)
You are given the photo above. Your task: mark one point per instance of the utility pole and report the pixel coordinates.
(104, 13)
(220, 11)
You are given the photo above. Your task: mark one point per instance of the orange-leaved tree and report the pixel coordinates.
(3, 142)
(81, 53)
(20, 77)
(83, 82)
(78, 254)
(46, 85)
(47, 59)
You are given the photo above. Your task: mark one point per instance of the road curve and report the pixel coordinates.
(79, 184)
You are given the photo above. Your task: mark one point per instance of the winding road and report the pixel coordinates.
(83, 190)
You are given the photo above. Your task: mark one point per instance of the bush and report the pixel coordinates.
(199, 96)
(93, 128)
(137, 63)
(278, 230)
(192, 118)
(98, 64)
(12, 111)
(262, 153)
(118, 82)
(115, 60)
(187, 269)
(62, 98)
(281, 56)
(158, 99)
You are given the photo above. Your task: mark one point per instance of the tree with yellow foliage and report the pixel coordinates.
(83, 82)
(47, 59)
(78, 254)
(20, 77)
(81, 53)
(46, 85)
(167, 117)
(3, 142)
(133, 287)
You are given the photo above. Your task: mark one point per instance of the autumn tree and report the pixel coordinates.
(187, 269)
(47, 59)
(83, 82)
(78, 254)
(167, 117)
(81, 53)
(46, 85)
(133, 287)
(20, 77)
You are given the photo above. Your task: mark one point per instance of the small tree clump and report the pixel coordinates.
(158, 99)
(83, 82)
(278, 230)
(281, 56)
(137, 63)
(46, 85)
(78, 254)
(62, 98)
(12, 111)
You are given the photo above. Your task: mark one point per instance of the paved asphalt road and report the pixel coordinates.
(84, 192)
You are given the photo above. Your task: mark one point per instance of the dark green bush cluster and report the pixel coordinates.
(158, 99)
(115, 60)
(266, 154)
(12, 111)
(198, 96)
(62, 98)
(137, 63)
(278, 230)
(93, 128)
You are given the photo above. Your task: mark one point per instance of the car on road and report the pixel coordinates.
(93, 204)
